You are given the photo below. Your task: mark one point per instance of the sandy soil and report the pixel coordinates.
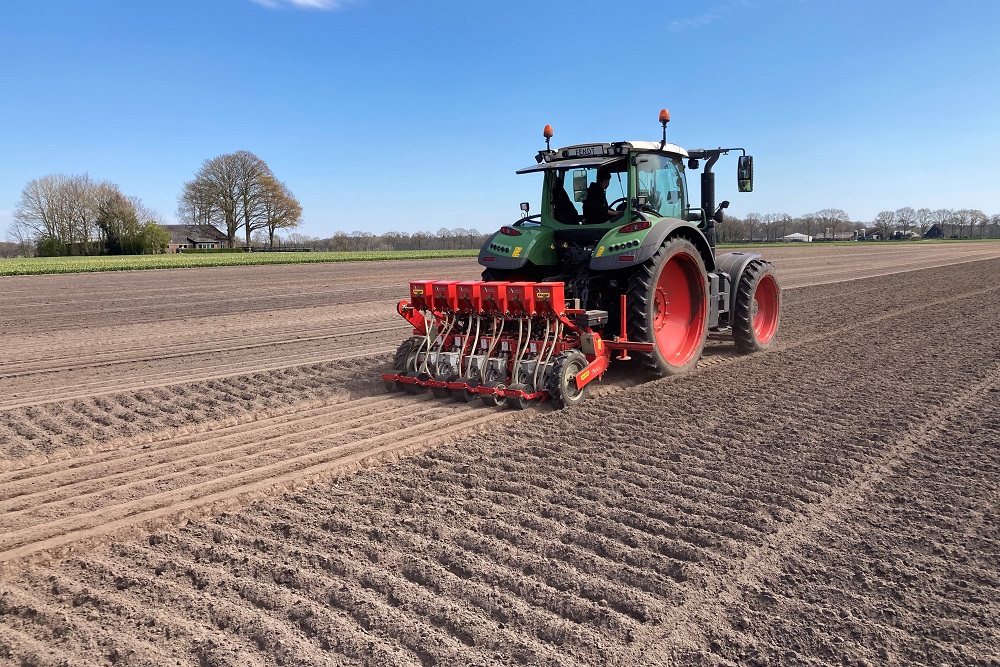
(833, 501)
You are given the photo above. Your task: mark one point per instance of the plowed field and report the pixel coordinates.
(200, 467)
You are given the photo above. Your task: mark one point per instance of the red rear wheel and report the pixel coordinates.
(668, 306)
(756, 308)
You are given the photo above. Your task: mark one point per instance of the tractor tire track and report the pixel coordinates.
(679, 509)
(559, 542)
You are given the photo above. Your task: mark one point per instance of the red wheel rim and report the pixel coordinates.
(679, 310)
(765, 307)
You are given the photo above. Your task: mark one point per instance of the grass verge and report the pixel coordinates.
(43, 265)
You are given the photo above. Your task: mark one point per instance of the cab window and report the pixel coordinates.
(658, 178)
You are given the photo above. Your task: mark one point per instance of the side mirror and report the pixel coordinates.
(744, 173)
(525, 206)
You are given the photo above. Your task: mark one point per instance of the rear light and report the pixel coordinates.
(627, 258)
(633, 227)
(509, 231)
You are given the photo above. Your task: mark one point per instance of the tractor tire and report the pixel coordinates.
(756, 308)
(562, 380)
(667, 305)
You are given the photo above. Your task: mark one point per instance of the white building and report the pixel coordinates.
(803, 238)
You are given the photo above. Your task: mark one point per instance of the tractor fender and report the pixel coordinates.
(734, 264)
(657, 234)
(502, 251)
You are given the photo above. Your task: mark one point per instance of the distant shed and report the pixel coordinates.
(801, 238)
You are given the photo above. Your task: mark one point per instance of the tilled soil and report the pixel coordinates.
(831, 501)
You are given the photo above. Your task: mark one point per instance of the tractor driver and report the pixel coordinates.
(595, 206)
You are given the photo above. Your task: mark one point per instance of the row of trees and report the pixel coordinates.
(238, 192)
(828, 223)
(76, 215)
(833, 223)
(443, 239)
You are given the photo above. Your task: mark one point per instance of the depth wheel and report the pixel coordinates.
(515, 401)
(493, 400)
(404, 361)
(756, 308)
(562, 379)
(465, 395)
(417, 389)
(667, 305)
(443, 392)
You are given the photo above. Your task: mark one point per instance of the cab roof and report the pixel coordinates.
(597, 155)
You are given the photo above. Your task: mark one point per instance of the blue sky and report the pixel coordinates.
(388, 115)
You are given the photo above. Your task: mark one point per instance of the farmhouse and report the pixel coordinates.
(184, 237)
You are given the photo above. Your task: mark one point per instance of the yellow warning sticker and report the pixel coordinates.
(517, 251)
(600, 251)
(542, 295)
(418, 292)
(584, 375)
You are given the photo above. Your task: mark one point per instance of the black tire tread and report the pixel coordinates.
(555, 385)
(743, 333)
(640, 290)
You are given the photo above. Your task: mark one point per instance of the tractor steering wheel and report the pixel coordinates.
(620, 200)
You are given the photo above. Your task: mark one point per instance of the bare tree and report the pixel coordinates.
(752, 221)
(884, 223)
(58, 213)
(253, 176)
(280, 208)
(906, 217)
(923, 220)
(978, 219)
(832, 219)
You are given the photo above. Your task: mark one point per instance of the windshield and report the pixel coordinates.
(568, 189)
(659, 179)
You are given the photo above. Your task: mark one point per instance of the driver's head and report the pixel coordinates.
(604, 178)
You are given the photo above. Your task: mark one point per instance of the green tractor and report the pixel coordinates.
(566, 289)
(657, 251)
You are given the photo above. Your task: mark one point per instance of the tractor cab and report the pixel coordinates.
(608, 207)
(645, 178)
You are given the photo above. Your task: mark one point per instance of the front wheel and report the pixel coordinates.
(756, 308)
(668, 306)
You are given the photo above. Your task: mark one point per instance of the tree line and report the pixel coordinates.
(834, 223)
(76, 215)
(443, 239)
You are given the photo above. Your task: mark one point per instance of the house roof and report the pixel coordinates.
(194, 234)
